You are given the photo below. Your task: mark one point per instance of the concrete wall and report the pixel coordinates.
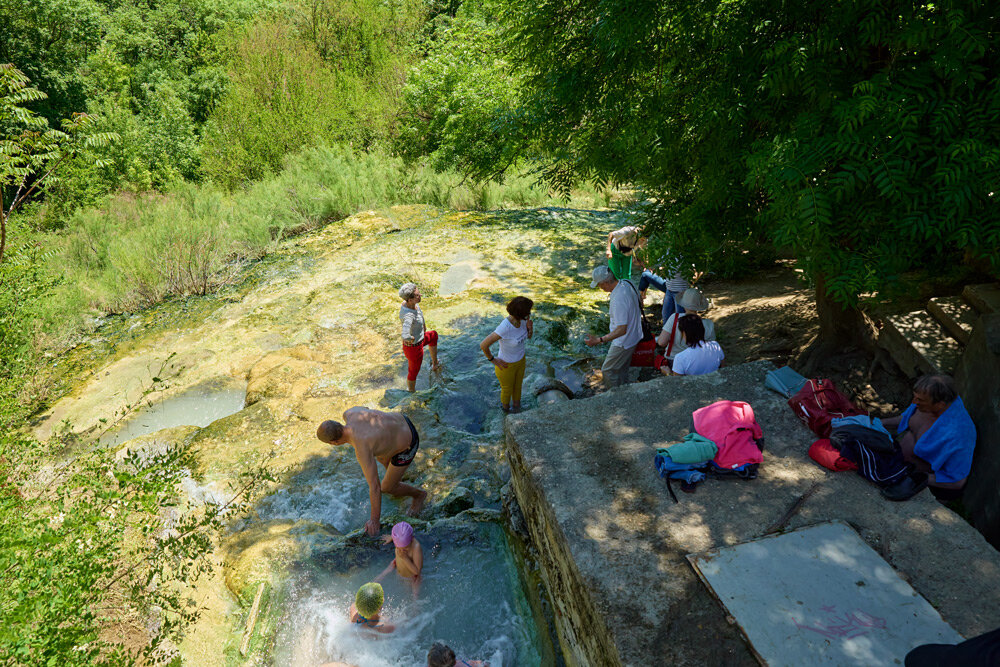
(978, 378)
(583, 635)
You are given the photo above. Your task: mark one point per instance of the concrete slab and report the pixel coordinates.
(820, 596)
(985, 298)
(918, 344)
(955, 315)
(611, 543)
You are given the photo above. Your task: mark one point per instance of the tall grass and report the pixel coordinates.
(138, 249)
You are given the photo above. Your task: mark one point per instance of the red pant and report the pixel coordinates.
(415, 353)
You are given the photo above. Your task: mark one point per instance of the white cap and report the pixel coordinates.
(602, 274)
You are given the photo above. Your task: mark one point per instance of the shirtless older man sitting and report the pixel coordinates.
(387, 437)
(936, 436)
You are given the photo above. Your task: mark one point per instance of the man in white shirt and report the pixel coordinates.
(625, 329)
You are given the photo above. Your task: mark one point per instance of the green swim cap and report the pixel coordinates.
(369, 599)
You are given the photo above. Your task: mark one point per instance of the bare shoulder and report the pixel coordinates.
(355, 412)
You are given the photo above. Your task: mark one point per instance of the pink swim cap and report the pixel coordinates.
(402, 534)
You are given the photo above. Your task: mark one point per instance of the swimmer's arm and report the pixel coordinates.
(409, 561)
(531, 327)
(367, 462)
(384, 628)
(608, 251)
(386, 571)
(417, 558)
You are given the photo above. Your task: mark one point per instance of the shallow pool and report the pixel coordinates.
(198, 406)
(471, 599)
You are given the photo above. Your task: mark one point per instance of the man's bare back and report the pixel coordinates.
(387, 437)
(384, 434)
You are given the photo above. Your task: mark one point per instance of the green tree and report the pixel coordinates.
(30, 152)
(453, 94)
(862, 135)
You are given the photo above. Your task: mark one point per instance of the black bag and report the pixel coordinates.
(647, 331)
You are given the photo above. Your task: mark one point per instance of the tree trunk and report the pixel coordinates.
(840, 327)
(3, 231)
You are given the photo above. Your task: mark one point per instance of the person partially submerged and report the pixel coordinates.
(409, 560)
(440, 655)
(387, 437)
(366, 609)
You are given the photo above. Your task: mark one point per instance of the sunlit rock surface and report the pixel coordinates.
(310, 331)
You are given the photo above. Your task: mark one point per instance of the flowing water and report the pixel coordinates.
(471, 598)
(312, 331)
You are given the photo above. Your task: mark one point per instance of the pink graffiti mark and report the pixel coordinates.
(846, 626)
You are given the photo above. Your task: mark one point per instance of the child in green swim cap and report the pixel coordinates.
(364, 611)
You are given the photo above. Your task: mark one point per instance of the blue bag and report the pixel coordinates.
(785, 381)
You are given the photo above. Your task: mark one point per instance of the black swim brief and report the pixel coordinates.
(405, 458)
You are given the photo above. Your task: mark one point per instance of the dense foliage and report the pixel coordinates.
(87, 562)
(149, 148)
(863, 136)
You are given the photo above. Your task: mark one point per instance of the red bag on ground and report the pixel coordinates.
(644, 353)
(818, 402)
(825, 454)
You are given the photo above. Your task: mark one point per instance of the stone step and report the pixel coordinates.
(984, 298)
(955, 315)
(918, 344)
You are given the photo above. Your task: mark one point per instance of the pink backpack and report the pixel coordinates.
(731, 425)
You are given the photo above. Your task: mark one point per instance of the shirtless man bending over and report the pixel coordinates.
(387, 437)
(943, 455)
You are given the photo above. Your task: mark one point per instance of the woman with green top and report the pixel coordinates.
(621, 244)
(510, 361)
(626, 266)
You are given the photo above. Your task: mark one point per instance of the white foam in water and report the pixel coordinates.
(339, 501)
(470, 599)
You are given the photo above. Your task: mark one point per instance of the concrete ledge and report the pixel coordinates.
(955, 315)
(984, 298)
(918, 344)
(612, 544)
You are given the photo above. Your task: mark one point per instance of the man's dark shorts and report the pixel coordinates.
(405, 458)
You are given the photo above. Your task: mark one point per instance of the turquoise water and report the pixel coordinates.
(198, 406)
(471, 598)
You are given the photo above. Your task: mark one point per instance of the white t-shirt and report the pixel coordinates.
(413, 323)
(699, 360)
(625, 310)
(679, 344)
(512, 341)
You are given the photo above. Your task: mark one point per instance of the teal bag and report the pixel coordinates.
(785, 381)
(693, 449)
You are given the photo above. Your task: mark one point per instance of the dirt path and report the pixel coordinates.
(772, 315)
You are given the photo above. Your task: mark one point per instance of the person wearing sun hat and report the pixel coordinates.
(415, 335)
(367, 605)
(625, 329)
(693, 302)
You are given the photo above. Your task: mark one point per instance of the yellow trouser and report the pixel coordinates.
(510, 381)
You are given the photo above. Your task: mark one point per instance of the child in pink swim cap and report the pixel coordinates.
(409, 560)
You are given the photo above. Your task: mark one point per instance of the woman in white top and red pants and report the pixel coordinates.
(415, 338)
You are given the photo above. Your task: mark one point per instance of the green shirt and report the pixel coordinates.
(620, 263)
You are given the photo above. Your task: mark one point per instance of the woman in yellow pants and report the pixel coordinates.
(509, 362)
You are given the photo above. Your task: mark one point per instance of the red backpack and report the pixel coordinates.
(818, 402)
(645, 353)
